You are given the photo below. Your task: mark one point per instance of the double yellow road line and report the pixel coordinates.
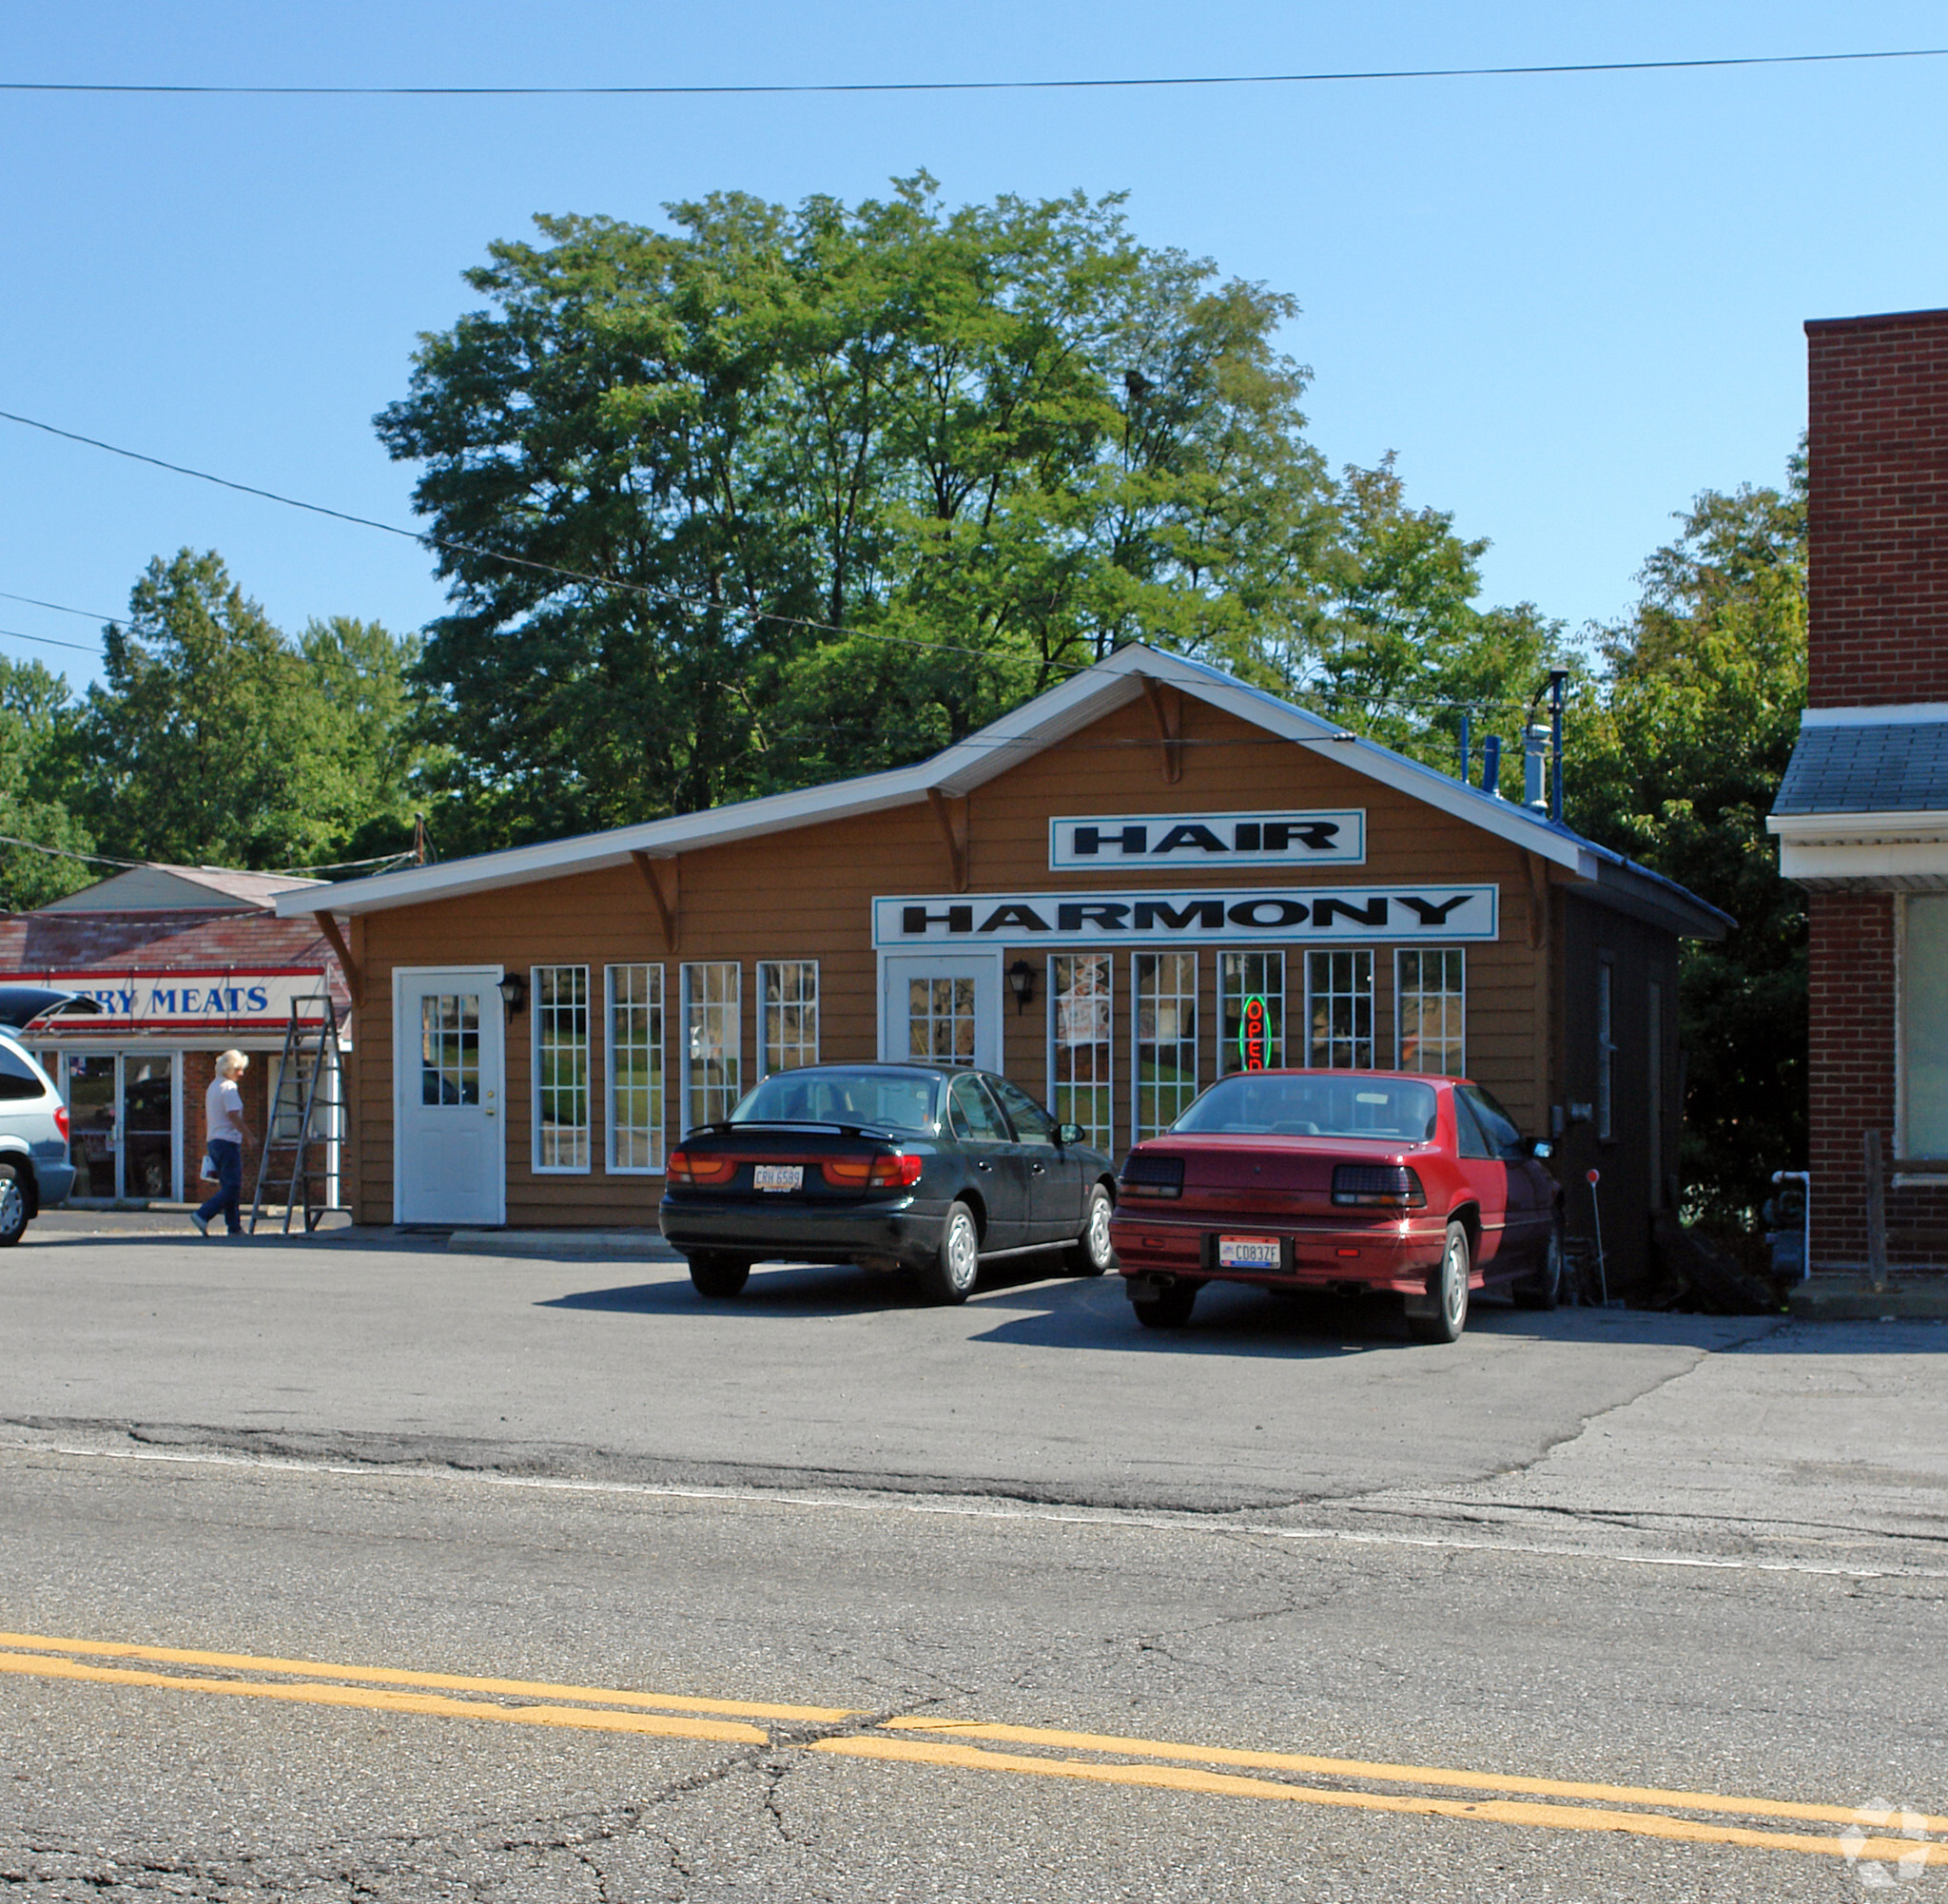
(1041, 1752)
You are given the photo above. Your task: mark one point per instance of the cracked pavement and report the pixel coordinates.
(1593, 1545)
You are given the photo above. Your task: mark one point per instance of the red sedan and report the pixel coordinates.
(1347, 1181)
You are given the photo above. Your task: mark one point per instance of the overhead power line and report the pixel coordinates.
(1124, 82)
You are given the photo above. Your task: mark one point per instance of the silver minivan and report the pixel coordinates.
(36, 1170)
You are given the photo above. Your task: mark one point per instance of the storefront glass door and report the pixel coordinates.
(148, 1124)
(96, 1142)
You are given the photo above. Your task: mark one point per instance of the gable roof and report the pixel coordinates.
(1043, 723)
(161, 888)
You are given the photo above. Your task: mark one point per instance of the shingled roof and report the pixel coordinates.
(1896, 766)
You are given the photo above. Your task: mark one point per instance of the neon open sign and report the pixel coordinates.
(1250, 1035)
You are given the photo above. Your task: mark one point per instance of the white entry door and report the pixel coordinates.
(941, 1008)
(450, 1151)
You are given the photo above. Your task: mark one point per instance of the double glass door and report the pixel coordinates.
(123, 1108)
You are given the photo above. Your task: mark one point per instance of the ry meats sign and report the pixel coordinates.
(1111, 842)
(1305, 913)
(185, 999)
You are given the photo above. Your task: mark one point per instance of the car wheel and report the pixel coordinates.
(1450, 1317)
(1091, 1253)
(1544, 1288)
(1169, 1307)
(718, 1277)
(949, 1277)
(12, 1206)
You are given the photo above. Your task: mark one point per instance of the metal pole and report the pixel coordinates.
(1596, 1216)
(1557, 676)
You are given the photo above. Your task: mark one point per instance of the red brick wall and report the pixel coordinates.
(199, 1067)
(1853, 984)
(1877, 438)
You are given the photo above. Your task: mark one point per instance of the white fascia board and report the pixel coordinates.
(1858, 829)
(1902, 713)
(1869, 863)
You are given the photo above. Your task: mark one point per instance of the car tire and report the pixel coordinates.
(1450, 1315)
(718, 1278)
(1091, 1253)
(1544, 1288)
(1168, 1309)
(950, 1276)
(12, 1206)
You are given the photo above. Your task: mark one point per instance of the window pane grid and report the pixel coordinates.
(1430, 991)
(1081, 1033)
(635, 1067)
(1339, 987)
(788, 1014)
(939, 1020)
(1166, 1004)
(450, 1048)
(561, 1066)
(713, 1041)
(1242, 976)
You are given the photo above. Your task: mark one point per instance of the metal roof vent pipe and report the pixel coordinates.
(1492, 764)
(1535, 766)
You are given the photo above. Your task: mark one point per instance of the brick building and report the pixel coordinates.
(186, 961)
(1862, 813)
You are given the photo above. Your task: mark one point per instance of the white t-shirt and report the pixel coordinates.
(223, 1109)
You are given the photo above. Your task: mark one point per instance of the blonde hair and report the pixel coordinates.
(230, 1063)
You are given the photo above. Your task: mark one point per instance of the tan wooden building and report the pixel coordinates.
(1094, 895)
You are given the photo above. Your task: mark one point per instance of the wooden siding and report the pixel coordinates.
(807, 893)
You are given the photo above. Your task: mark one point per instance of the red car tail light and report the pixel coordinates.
(1152, 1176)
(62, 1124)
(685, 1168)
(894, 1170)
(1378, 1186)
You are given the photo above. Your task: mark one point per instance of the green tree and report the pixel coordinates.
(1676, 761)
(213, 739)
(33, 704)
(857, 480)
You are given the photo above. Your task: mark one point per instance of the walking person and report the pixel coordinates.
(222, 1112)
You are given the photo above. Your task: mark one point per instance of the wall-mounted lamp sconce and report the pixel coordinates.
(514, 991)
(1021, 983)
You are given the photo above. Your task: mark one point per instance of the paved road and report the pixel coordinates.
(538, 1580)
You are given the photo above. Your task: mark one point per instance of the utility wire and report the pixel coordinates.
(60, 607)
(45, 640)
(665, 595)
(843, 87)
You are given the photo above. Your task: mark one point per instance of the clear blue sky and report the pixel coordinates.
(1567, 303)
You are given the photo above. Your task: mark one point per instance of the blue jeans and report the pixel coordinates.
(229, 1159)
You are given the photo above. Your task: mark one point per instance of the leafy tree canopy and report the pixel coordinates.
(33, 702)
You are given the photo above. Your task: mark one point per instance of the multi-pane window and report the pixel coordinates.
(1250, 1011)
(712, 1037)
(1339, 1009)
(1166, 1041)
(635, 1067)
(788, 1014)
(1081, 1039)
(939, 1020)
(560, 1010)
(1429, 1009)
(1605, 1050)
(450, 1048)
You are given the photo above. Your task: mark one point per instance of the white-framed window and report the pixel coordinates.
(1430, 1009)
(1606, 1049)
(1339, 1009)
(559, 1007)
(1248, 1030)
(787, 1014)
(1922, 1034)
(1081, 1042)
(1164, 1075)
(713, 1041)
(634, 1045)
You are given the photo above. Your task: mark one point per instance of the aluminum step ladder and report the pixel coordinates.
(313, 1095)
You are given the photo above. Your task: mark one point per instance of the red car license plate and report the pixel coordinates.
(778, 1175)
(1247, 1252)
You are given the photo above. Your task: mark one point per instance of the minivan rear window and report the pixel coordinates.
(19, 1076)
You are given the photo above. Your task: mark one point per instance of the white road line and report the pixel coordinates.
(962, 1507)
